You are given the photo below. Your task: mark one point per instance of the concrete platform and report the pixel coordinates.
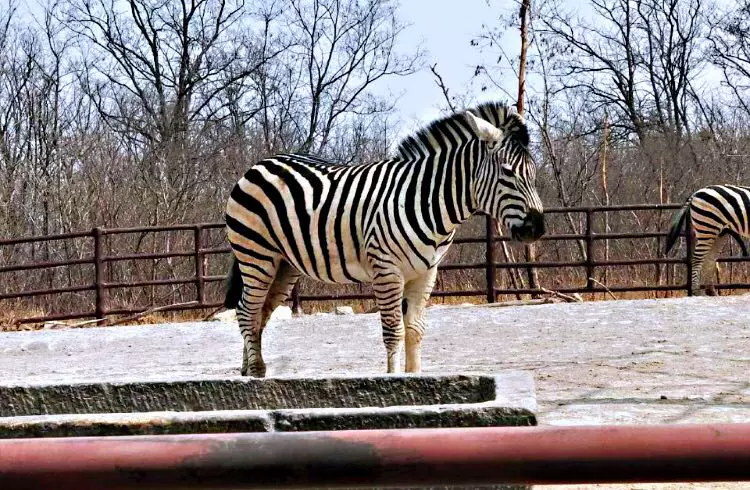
(266, 405)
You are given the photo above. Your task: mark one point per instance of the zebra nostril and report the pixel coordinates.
(533, 225)
(539, 225)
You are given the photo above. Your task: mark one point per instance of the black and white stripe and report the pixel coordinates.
(717, 212)
(388, 222)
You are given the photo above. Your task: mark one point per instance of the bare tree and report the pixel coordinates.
(158, 73)
(671, 53)
(634, 57)
(172, 59)
(341, 50)
(598, 57)
(730, 51)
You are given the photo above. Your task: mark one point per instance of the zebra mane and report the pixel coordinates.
(496, 113)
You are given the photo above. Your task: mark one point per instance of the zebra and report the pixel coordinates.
(389, 222)
(716, 212)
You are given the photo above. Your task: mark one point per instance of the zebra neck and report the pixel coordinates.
(443, 187)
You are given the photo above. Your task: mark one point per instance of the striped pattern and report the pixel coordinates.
(388, 223)
(717, 212)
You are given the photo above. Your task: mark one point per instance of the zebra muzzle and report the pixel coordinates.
(531, 229)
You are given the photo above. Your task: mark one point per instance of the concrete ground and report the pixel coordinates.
(617, 362)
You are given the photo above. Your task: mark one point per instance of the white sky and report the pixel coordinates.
(444, 28)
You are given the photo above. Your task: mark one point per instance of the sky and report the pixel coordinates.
(444, 28)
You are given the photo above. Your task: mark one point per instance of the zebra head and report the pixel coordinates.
(505, 176)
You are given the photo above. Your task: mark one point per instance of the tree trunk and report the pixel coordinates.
(529, 250)
(605, 191)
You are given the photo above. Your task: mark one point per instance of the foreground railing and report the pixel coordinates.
(530, 455)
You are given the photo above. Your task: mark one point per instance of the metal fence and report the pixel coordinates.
(589, 237)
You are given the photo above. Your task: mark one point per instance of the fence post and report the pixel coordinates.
(490, 268)
(198, 256)
(99, 309)
(689, 246)
(296, 302)
(589, 249)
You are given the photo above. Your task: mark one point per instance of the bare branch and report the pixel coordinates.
(442, 87)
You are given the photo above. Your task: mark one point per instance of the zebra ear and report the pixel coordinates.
(484, 129)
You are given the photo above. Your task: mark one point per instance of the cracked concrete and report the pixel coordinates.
(644, 361)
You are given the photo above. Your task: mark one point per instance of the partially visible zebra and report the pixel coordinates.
(388, 222)
(717, 212)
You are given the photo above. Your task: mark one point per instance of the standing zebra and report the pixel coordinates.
(388, 222)
(716, 211)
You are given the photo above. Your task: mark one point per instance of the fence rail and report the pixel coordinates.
(590, 239)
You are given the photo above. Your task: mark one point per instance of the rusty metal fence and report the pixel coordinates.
(589, 239)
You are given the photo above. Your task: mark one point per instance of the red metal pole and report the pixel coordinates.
(536, 455)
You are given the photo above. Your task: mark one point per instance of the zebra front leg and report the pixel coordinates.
(388, 288)
(417, 294)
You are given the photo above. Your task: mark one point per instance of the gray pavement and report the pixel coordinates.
(645, 361)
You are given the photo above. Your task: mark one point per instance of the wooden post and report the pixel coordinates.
(490, 268)
(605, 191)
(296, 302)
(198, 256)
(100, 291)
(589, 249)
(529, 250)
(523, 13)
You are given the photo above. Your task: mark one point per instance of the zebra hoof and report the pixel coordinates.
(257, 372)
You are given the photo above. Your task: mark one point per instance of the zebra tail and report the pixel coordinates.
(233, 285)
(674, 231)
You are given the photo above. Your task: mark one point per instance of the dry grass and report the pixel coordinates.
(9, 318)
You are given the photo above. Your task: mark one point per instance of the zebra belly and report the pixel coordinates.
(357, 272)
(432, 256)
(415, 264)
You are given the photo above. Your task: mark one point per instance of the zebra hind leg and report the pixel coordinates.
(388, 288)
(704, 245)
(710, 267)
(417, 294)
(257, 280)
